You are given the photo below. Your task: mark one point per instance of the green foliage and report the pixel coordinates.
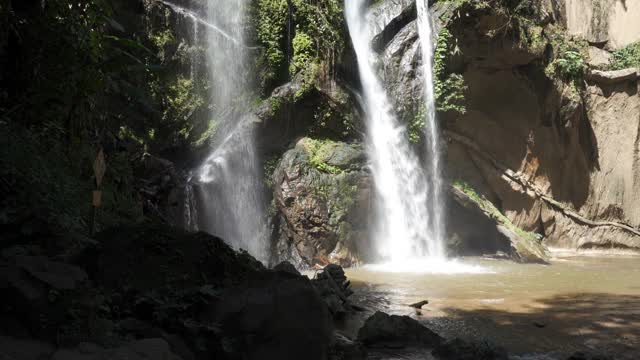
(316, 29)
(449, 87)
(269, 168)
(310, 76)
(162, 39)
(568, 59)
(318, 153)
(303, 49)
(182, 100)
(208, 134)
(80, 81)
(271, 18)
(450, 94)
(39, 178)
(627, 57)
(322, 21)
(333, 121)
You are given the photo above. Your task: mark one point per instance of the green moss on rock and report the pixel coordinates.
(527, 244)
(627, 57)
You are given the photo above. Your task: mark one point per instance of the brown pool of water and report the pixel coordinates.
(577, 303)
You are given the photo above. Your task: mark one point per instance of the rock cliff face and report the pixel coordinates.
(557, 158)
(611, 22)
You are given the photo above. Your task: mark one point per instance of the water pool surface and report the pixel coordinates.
(576, 303)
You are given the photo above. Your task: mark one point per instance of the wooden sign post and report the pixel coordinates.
(99, 168)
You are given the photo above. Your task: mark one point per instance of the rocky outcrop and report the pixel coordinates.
(388, 17)
(321, 194)
(614, 76)
(334, 288)
(609, 22)
(294, 108)
(399, 45)
(598, 58)
(477, 226)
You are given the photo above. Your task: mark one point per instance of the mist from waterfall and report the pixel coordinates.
(432, 139)
(224, 194)
(403, 230)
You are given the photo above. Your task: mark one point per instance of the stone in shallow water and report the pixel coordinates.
(396, 331)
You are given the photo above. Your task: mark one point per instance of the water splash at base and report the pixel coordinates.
(429, 266)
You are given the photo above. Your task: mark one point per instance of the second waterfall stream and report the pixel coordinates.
(409, 229)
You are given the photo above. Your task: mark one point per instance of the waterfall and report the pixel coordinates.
(435, 202)
(225, 193)
(403, 230)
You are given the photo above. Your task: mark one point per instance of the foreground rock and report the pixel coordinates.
(346, 349)
(458, 349)
(146, 349)
(36, 293)
(156, 292)
(322, 196)
(334, 288)
(274, 315)
(589, 356)
(382, 330)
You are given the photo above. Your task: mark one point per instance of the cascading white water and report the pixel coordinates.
(403, 231)
(432, 139)
(230, 178)
(224, 196)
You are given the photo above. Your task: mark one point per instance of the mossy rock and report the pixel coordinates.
(320, 186)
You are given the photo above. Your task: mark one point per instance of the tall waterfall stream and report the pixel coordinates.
(409, 204)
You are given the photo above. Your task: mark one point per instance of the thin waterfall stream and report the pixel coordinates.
(224, 194)
(432, 138)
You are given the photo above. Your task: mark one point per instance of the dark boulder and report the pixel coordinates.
(37, 295)
(287, 267)
(273, 315)
(458, 349)
(588, 356)
(383, 330)
(145, 349)
(334, 288)
(151, 257)
(24, 349)
(344, 348)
